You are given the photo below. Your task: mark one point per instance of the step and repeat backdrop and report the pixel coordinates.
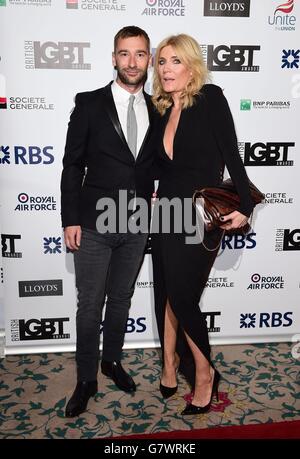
(52, 49)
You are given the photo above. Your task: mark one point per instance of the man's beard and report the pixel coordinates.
(131, 81)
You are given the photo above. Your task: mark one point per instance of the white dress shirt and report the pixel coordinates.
(121, 99)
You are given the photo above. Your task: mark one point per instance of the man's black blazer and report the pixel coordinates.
(98, 162)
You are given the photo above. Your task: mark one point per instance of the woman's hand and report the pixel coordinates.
(233, 220)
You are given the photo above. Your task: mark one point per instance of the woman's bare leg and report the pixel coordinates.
(204, 376)
(171, 358)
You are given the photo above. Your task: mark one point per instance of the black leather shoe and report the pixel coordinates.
(166, 391)
(116, 372)
(193, 409)
(79, 400)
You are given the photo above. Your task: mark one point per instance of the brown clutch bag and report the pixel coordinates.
(215, 202)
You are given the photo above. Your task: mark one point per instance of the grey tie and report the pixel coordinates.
(131, 126)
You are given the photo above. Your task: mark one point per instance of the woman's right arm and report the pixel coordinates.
(225, 135)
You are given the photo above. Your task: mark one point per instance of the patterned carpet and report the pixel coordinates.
(260, 384)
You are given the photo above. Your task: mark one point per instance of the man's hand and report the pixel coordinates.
(234, 220)
(72, 237)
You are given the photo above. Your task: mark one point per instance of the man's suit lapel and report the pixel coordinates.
(113, 114)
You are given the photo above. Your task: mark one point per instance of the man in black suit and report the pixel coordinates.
(105, 154)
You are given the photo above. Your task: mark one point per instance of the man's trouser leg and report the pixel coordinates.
(91, 267)
(125, 263)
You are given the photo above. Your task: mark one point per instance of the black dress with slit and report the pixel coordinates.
(205, 142)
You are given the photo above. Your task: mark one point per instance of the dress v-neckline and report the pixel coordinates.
(167, 120)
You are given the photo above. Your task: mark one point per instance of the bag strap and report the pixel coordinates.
(202, 242)
(215, 248)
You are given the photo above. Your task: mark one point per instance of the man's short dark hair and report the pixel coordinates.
(131, 31)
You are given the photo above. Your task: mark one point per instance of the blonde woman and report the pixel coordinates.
(196, 140)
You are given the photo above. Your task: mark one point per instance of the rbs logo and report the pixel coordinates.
(133, 325)
(26, 155)
(266, 320)
(239, 241)
(136, 326)
(276, 319)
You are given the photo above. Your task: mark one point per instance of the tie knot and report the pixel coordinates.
(131, 101)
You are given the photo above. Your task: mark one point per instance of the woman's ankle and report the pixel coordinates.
(171, 361)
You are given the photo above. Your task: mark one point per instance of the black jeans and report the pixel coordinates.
(105, 265)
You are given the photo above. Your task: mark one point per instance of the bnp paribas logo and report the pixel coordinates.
(248, 104)
(27, 3)
(245, 104)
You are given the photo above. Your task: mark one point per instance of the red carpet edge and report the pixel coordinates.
(273, 431)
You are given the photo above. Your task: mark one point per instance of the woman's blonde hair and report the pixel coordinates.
(189, 52)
